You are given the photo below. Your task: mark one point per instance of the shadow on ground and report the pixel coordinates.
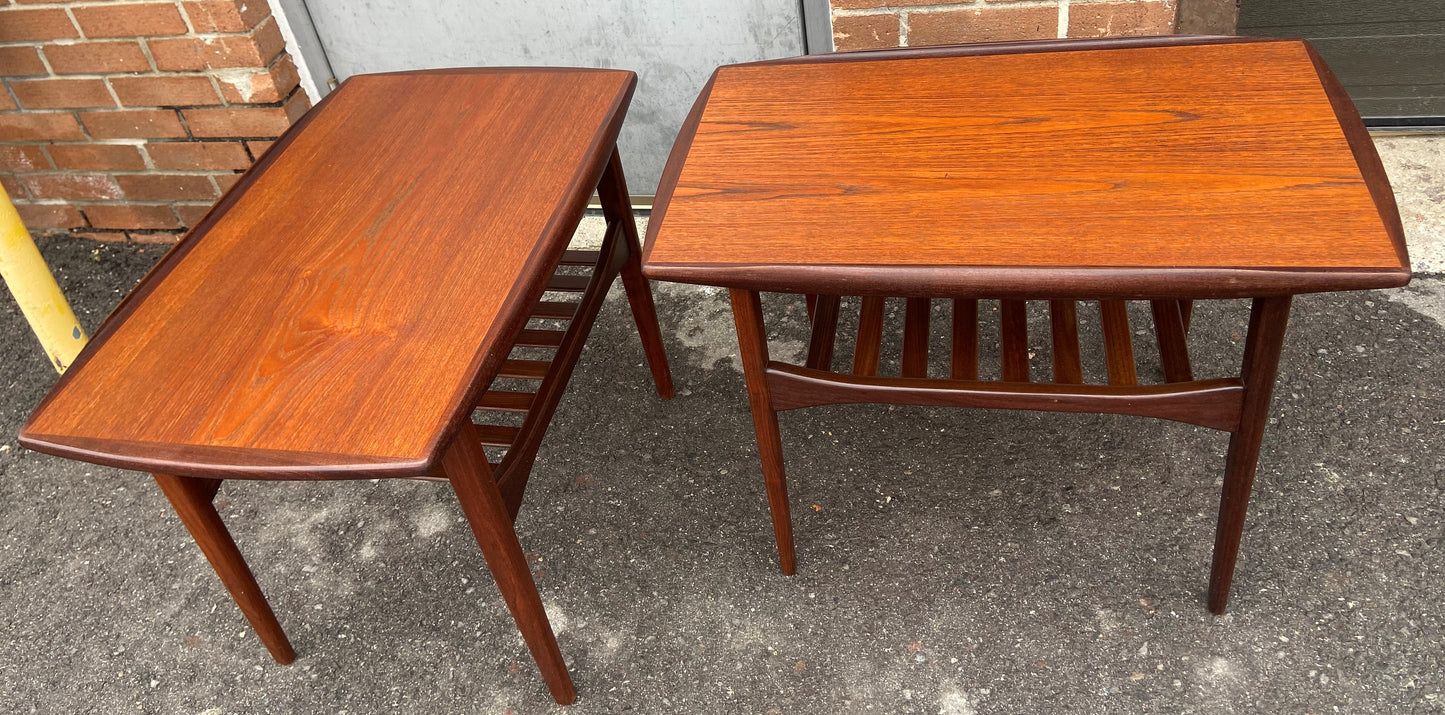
(950, 561)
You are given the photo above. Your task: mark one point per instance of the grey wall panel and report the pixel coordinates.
(1389, 54)
(673, 47)
(1327, 13)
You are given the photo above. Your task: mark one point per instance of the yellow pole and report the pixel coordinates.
(40, 299)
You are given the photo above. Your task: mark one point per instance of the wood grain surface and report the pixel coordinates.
(1222, 161)
(342, 308)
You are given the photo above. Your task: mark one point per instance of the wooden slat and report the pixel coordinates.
(1118, 344)
(530, 338)
(811, 300)
(579, 258)
(506, 401)
(1014, 340)
(1064, 328)
(965, 339)
(552, 309)
(524, 369)
(870, 336)
(1173, 349)
(567, 283)
(1186, 311)
(915, 337)
(496, 435)
(825, 331)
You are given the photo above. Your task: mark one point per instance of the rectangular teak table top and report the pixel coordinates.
(340, 309)
(1136, 168)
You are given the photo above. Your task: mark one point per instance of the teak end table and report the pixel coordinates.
(1159, 169)
(344, 311)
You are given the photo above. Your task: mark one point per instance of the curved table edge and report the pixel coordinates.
(1033, 282)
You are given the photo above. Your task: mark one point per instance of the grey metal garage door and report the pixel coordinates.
(673, 46)
(1389, 54)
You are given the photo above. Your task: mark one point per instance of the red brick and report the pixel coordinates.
(133, 124)
(1115, 19)
(986, 24)
(164, 91)
(20, 62)
(22, 157)
(166, 187)
(13, 188)
(225, 15)
(198, 156)
(39, 126)
(297, 106)
(108, 236)
(130, 216)
(34, 24)
(54, 215)
(271, 86)
(860, 32)
(872, 4)
(97, 58)
(237, 121)
(156, 237)
(97, 157)
(71, 186)
(258, 148)
(226, 181)
(146, 19)
(256, 49)
(62, 93)
(7, 103)
(191, 214)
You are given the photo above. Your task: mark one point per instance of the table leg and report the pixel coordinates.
(1267, 320)
(616, 206)
(466, 467)
(753, 346)
(191, 497)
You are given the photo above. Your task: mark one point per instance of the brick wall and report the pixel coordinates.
(127, 120)
(866, 24)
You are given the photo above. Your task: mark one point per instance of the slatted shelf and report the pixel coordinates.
(1170, 318)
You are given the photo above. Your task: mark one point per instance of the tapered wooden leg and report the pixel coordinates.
(617, 206)
(466, 467)
(191, 498)
(1267, 320)
(753, 346)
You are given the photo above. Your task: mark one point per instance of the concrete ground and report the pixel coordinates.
(950, 561)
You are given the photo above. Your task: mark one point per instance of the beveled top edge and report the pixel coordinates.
(224, 463)
(1031, 282)
(1362, 147)
(676, 158)
(1016, 47)
(519, 69)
